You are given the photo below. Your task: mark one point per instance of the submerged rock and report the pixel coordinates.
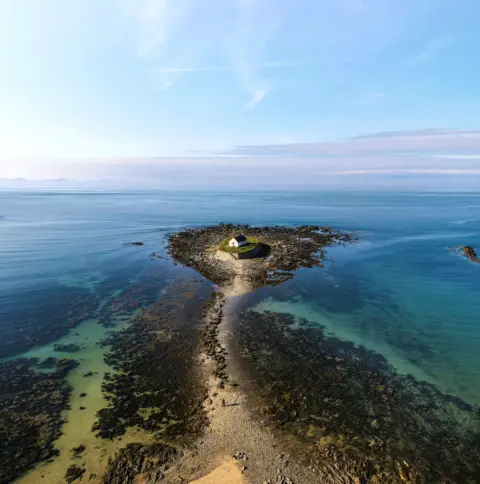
(77, 451)
(148, 460)
(470, 253)
(67, 348)
(31, 406)
(74, 473)
(49, 362)
(46, 315)
(65, 366)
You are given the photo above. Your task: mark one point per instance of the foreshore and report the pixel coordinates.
(236, 447)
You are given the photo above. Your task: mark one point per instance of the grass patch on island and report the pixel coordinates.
(252, 244)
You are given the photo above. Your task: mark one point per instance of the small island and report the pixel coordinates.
(240, 258)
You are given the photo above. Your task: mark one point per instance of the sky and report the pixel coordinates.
(144, 90)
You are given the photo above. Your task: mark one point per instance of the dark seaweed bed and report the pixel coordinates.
(349, 411)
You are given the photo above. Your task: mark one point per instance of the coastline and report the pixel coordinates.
(282, 380)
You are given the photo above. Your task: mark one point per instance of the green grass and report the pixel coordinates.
(252, 244)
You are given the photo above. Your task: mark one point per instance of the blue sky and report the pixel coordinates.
(87, 86)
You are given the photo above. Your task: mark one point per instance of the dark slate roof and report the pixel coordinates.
(240, 238)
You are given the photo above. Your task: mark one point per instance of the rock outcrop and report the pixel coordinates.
(470, 253)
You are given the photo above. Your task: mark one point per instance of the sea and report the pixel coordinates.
(402, 289)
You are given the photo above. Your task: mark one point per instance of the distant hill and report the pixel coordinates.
(46, 181)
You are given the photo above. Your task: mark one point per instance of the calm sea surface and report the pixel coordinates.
(400, 290)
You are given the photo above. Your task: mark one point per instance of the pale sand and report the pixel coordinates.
(239, 268)
(228, 471)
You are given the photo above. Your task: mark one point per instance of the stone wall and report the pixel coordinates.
(248, 255)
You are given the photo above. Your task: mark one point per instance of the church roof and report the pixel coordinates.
(240, 238)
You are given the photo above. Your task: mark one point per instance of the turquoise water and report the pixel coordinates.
(399, 290)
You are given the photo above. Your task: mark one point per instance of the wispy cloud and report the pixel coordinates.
(419, 133)
(192, 70)
(165, 85)
(430, 49)
(180, 30)
(369, 98)
(413, 171)
(450, 144)
(455, 156)
(258, 96)
(257, 24)
(281, 64)
(153, 17)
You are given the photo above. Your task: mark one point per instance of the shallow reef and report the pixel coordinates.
(149, 461)
(134, 296)
(373, 309)
(48, 315)
(67, 348)
(155, 385)
(31, 404)
(348, 410)
(74, 473)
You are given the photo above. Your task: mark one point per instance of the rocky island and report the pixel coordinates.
(283, 251)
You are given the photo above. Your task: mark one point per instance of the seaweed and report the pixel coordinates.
(155, 386)
(348, 409)
(31, 404)
(134, 459)
(47, 315)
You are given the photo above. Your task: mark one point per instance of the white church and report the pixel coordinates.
(238, 241)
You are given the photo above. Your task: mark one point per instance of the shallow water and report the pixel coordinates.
(78, 427)
(399, 291)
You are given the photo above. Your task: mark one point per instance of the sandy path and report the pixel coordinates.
(239, 268)
(228, 471)
(235, 448)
